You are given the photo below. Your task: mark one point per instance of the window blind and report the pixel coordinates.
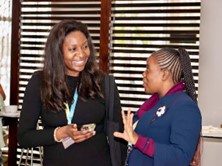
(140, 27)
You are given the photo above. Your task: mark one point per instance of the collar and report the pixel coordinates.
(153, 100)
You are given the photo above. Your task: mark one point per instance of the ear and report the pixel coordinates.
(166, 75)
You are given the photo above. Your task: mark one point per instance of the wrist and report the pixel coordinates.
(55, 135)
(135, 138)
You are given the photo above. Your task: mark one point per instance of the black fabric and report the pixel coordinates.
(114, 145)
(92, 152)
(117, 146)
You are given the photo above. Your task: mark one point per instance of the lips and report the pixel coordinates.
(78, 62)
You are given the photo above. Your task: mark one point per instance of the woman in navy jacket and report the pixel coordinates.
(168, 124)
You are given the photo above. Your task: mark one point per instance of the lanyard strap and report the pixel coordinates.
(70, 112)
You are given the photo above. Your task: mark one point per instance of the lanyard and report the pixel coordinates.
(70, 112)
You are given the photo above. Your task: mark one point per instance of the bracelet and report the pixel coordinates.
(54, 135)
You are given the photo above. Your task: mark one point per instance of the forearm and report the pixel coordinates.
(145, 145)
(34, 138)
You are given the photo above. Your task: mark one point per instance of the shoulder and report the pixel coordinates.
(34, 84)
(35, 78)
(183, 106)
(108, 79)
(37, 74)
(184, 100)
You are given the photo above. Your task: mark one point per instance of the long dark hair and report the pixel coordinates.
(179, 64)
(54, 91)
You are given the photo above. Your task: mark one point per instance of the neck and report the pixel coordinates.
(176, 88)
(165, 88)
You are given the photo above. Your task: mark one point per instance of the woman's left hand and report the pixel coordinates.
(129, 134)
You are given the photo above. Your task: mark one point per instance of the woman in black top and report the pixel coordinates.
(67, 94)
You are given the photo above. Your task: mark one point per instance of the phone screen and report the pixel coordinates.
(88, 127)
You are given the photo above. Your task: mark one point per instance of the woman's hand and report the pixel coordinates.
(74, 133)
(129, 134)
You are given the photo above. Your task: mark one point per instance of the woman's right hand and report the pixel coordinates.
(128, 134)
(73, 132)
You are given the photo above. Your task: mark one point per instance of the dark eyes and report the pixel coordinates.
(74, 49)
(85, 46)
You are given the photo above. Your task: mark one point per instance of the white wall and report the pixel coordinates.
(210, 76)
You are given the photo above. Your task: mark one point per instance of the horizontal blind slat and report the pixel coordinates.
(142, 27)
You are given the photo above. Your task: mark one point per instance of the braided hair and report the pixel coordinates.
(179, 64)
(187, 73)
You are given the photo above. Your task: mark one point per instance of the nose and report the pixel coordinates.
(80, 52)
(144, 73)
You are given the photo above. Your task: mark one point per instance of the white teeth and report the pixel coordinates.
(78, 62)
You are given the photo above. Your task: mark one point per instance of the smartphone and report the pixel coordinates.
(88, 127)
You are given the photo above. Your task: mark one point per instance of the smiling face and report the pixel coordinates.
(152, 76)
(75, 52)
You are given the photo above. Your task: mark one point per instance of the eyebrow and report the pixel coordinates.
(86, 41)
(70, 44)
